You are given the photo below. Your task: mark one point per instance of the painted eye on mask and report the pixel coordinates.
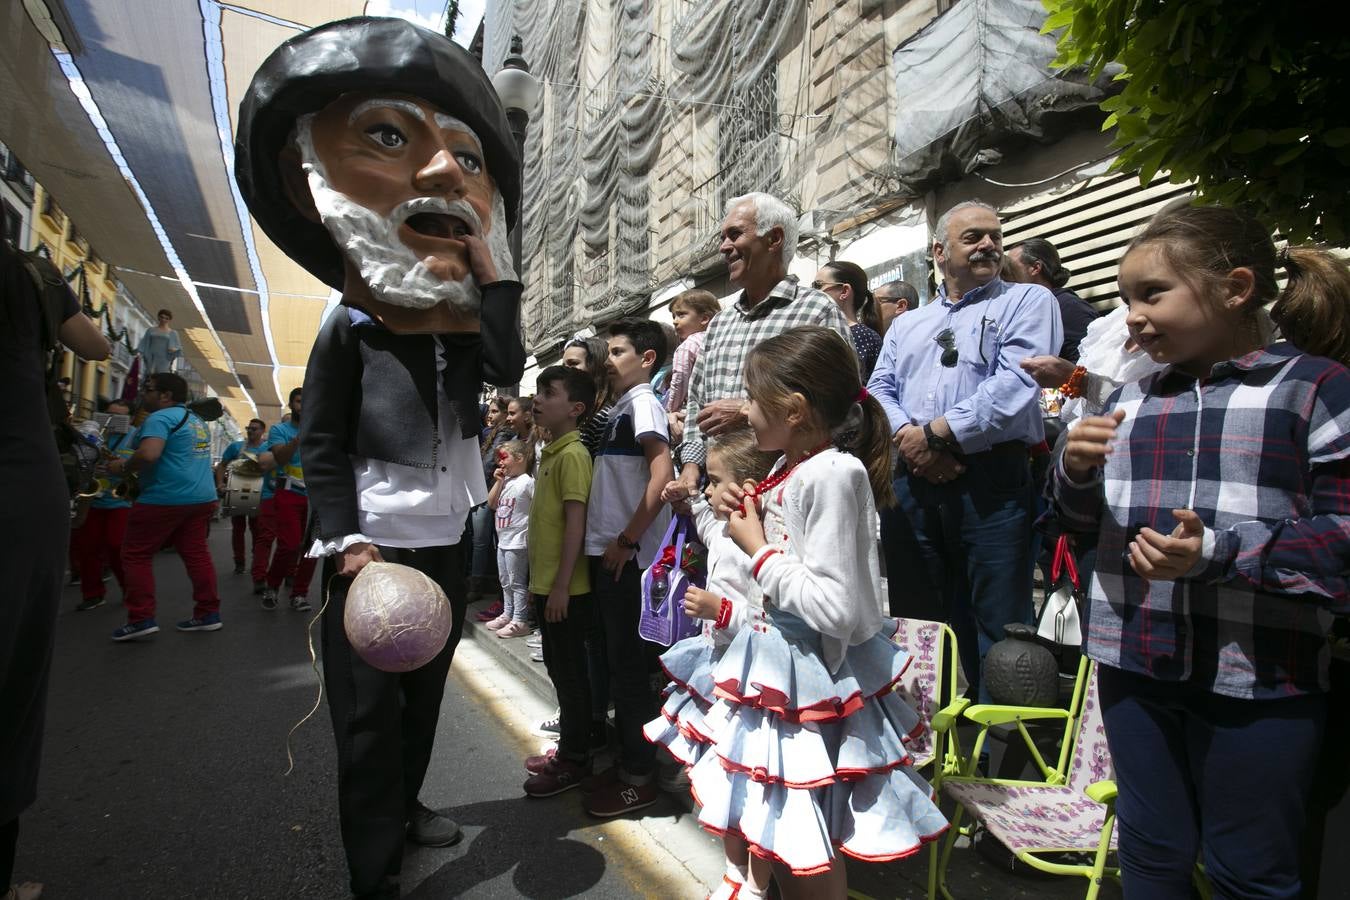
(469, 162)
(387, 136)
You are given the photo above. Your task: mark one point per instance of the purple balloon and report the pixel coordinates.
(397, 619)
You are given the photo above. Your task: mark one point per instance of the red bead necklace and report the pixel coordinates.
(781, 475)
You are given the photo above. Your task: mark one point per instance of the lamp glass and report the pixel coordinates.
(516, 88)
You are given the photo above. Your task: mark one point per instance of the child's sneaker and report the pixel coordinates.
(133, 630)
(208, 622)
(490, 613)
(558, 776)
(269, 598)
(550, 727)
(620, 797)
(513, 630)
(537, 655)
(535, 640)
(499, 622)
(300, 604)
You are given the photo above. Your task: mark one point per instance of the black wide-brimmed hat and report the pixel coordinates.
(313, 69)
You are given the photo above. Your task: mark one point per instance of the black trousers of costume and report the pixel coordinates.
(384, 724)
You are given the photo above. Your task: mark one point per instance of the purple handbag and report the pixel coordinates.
(680, 562)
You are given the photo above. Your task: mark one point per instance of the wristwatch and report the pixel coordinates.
(627, 543)
(937, 443)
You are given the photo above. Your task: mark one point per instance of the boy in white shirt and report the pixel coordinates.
(625, 523)
(510, 498)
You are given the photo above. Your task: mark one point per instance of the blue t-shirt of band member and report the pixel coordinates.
(120, 446)
(232, 453)
(284, 433)
(182, 475)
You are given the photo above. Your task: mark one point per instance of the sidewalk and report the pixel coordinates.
(527, 693)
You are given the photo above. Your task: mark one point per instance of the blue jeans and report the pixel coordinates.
(957, 552)
(1200, 773)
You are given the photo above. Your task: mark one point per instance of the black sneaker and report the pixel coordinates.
(269, 598)
(259, 587)
(239, 568)
(90, 603)
(300, 604)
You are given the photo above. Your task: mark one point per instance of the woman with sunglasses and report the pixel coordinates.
(846, 284)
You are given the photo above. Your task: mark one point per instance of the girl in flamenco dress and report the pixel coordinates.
(733, 462)
(805, 759)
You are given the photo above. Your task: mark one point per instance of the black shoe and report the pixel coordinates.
(239, 568)
(90, 603)
(259, 587)
(269, 598)
(431, 829)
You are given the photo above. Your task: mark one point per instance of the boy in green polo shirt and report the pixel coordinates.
(559, 577)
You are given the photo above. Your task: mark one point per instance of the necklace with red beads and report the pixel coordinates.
(782, 474)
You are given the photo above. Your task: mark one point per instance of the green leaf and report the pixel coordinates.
(1336, 137)
(1250, 141)
(1288, 135)
(1258, 77)
(1291, 154)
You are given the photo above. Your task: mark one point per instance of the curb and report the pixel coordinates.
(511, 653)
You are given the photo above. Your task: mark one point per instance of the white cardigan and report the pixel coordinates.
(728, 575)
(823, 521)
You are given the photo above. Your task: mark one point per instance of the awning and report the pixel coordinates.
(166, 79)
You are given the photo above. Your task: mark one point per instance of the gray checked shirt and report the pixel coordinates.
(732, 333)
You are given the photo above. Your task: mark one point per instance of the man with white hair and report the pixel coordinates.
(759, 239)
(377, 155)
(965, 416)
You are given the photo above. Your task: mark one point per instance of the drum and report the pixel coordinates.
(243, 489)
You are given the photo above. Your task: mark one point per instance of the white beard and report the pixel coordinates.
(370, 241)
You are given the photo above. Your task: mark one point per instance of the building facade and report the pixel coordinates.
(869, 116)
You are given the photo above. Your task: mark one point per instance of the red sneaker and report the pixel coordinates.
(490, 613)
(619, 798)
(559, 775)
(536, 764)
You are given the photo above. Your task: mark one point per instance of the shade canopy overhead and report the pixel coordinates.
(125, 111)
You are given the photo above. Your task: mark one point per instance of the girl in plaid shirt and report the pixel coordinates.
(1220, 490)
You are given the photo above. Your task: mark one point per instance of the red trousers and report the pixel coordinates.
(238, 524)
(96, 543)
(264, 533)
(151, 526)
(291, 511)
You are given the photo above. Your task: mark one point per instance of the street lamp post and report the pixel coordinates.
(518, 91)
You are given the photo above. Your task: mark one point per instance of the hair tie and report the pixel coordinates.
(862, 395)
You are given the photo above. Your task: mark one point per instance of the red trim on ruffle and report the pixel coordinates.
(765, 853)
(761, 775)
(687, 729)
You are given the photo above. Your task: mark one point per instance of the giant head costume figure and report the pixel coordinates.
(375, 153)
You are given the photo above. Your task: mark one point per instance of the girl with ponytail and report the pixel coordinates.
(1219, 489)
(808, 761)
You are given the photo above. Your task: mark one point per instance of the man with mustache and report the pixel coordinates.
(965, 414)
(376, 154)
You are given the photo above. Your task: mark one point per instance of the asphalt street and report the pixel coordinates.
(164, 777)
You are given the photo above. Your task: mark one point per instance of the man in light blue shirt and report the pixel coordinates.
(175, 504)
(965, 415)
(254, 433)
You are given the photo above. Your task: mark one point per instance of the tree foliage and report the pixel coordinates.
(1249, 99)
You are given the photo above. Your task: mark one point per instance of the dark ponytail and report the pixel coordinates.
(864, 304)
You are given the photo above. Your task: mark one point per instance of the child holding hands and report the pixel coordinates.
(1221, 488)
(806, 740)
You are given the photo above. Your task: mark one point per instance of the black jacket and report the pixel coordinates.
(372, 393)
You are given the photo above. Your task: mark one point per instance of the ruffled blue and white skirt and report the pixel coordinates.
(799, 762)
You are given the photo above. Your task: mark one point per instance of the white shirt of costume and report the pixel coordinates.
(728, 577)
(621, 473)
(513, 512)
(823, 523)
(407, 506)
